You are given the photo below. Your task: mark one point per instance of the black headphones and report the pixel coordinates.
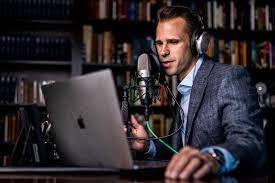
(200, 39)
(198, 43)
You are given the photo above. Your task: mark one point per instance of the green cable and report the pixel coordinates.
(152, 133)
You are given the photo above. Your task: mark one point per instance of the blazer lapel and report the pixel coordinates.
(176, 140)
(197, 92)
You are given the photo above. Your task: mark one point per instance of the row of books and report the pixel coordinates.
(103, 48)
(7, 88)
(15, 90)
(35, 47)
(37, 9)
(239, 15)
(162, 96)
(143, 10)
(9, 131)
(9, 128)
(20, 133)
(252, 54)
(122, 79)
(159, 123)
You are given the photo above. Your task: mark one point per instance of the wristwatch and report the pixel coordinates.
(217, 155)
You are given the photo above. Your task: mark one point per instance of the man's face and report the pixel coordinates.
(173, 47)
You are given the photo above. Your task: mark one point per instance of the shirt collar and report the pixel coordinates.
(188, 80)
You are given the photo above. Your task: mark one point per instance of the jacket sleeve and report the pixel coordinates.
(241, 119)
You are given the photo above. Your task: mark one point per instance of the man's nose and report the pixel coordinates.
(164, 50)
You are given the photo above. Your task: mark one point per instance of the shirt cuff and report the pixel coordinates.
(230, 162)
(151, 153)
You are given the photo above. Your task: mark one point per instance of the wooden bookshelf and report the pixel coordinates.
(35, 65)
(243, 34)
(124, 30)
(15, 107)
(86, 67)
(262, 74)
(134, 27)
(39, 25)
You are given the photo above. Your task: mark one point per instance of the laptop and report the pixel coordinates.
(87, 124)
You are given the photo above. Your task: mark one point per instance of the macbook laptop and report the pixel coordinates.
(87, 123)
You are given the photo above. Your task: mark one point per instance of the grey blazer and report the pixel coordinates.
(223, 111)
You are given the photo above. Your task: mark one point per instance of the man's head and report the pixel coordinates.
(175, 26)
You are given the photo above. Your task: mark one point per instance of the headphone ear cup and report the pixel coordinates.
(202, 42)
(199, 42)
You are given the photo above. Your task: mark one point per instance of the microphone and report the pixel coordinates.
(144, 83)
(147, 83)
(149, 77)
(144, 79)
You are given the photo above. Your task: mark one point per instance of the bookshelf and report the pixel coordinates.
(87, 67)
(37, 46)
(135, 27)
(35, 65)
(242, 34)
(15, 107)
(99, 36)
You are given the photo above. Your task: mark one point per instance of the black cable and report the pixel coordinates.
(169, 135)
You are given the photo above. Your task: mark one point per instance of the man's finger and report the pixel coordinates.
(170, 169)
(203, 171)
(177, 163)
(182, 153)
(191, 167)
(134, 122)
(210, 167)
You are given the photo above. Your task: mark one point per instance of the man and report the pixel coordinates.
(222, 125)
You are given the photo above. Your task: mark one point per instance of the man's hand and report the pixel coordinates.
(191, 163)
(138, 131)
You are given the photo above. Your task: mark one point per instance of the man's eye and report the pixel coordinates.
(173, 41)
(159, 43)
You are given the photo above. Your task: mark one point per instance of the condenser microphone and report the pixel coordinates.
(150, 76)
(144, 79)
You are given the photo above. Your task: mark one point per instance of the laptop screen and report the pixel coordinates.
(86, 121)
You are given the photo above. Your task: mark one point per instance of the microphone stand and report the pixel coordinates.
(147, 102)
(125, 105)
(125, 108)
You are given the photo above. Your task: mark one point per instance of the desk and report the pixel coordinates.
(115, 177)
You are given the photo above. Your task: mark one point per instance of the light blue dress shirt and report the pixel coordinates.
(184, 88)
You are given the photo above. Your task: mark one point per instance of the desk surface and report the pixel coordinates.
(115, 177)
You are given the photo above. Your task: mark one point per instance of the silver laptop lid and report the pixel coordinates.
(87, 123)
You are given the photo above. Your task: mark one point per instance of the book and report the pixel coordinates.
(158, 124)
(87, 41)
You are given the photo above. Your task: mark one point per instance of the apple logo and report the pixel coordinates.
(80, 122)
